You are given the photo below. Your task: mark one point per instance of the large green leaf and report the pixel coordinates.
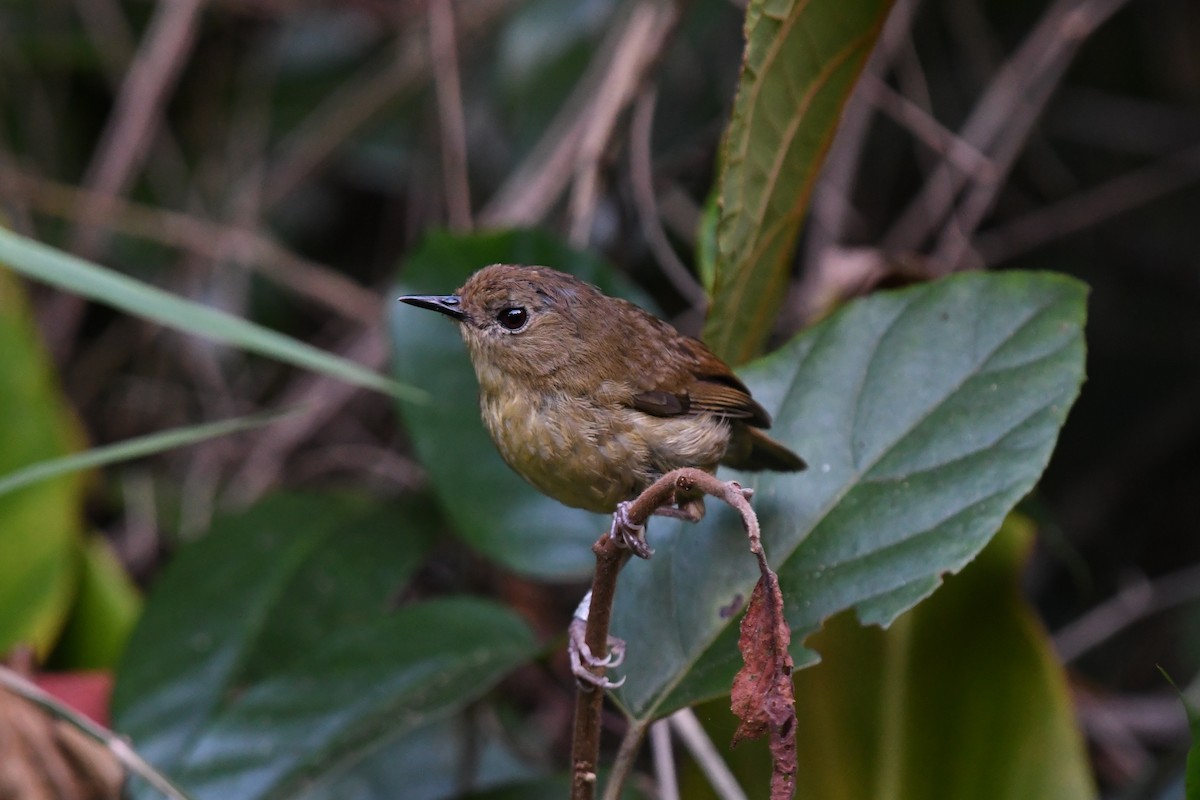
(924, 415)
(105, 610)
(269, 655)
(802, 58)
(338, 703)
(435, 761)
(491, 507)
(39, 525)
(961, 697)
(44, 263)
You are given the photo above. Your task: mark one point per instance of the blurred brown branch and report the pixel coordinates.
(315, 282)
(574, 142)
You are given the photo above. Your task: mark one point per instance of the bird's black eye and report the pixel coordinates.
(513, 319)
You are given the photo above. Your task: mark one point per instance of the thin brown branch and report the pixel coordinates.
(722, 780)
(589, 702)
(448, 89)
(585, 746)
(360, 98)
(344, 111)
(606, 88)
(110, 33)
(1132, 604)
(664, 760)
(639, 48)
(631, 743)
(322, 398)
(1002, 119)
(308, 279)
(926, 129)
(1089, 208)
(954, 243)
(642, 179)
(137, 113)
(834, 219)
(832, 211)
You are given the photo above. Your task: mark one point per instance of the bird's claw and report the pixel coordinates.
(628, 535)
(581, 655)
(582, 658)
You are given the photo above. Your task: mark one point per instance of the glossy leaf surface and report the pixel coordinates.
(962, 697)
(924, 414)
(269, 655)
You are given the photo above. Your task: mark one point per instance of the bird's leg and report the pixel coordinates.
(689, 510)
(628, 535)
(581, 655)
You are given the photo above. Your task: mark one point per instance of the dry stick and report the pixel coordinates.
(585, 746)
(833, 216)
(642, 180)
(631, 742)
(110, 33)
(120, 749)
(450, 114)
(925, 128)
(1005, 112)
(831, 208)
(1089, 207)
(345, 110)
(137, 112)
(639, 47)
(664, 760)
(704, 753)
(912, 87)
(124, 144)
(359, 99)
(589, 702)
(311, 280)
(533, 188)
(1081, 22)
(1132, 603)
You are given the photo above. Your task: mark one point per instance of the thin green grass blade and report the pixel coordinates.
(133, 448)
(48, 265)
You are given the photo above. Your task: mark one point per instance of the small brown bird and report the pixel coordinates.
(591, 399)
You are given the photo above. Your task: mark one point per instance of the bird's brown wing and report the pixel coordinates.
(662, 404)
(699, 383)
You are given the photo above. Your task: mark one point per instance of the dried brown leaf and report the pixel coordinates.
(762, 690)
(47, 758)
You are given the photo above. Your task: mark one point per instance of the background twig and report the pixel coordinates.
(119, 748)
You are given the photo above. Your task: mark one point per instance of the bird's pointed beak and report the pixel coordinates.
(449, 304)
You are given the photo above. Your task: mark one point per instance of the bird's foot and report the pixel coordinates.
(691, 510)
(628, 535)
(581, 655)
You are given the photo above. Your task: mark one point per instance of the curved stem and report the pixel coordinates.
(589, 702)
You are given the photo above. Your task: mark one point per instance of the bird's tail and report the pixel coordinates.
(751, 449)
